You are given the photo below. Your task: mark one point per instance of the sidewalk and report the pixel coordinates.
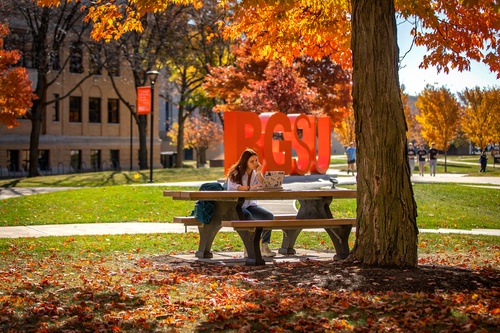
(87, 229)
(282, 207)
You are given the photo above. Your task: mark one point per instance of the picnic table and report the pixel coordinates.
(314, 212)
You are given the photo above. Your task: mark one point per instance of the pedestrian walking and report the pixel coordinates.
(433, 155)
(483, 160)
(411, 157)
(351, 158)
(421, 153)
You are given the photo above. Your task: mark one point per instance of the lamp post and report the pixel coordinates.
(153, 75)
(132, 107)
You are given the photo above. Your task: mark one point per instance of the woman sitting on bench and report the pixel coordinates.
(245, 175)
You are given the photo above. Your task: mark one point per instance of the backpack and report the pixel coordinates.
(204, 210)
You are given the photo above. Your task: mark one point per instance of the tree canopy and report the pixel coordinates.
(306, 86)
(481, 115)
(439, 115)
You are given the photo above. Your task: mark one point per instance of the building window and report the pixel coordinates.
(26, 159)
(115, 159)
(76, 160)
(75, 109)
(113, 111)
(95, 59)
(43, 160)
(94, 110)
(13, 160)
(76, 58)
(95, 159)
(55, 117)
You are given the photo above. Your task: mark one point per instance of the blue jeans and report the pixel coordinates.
(259, 213)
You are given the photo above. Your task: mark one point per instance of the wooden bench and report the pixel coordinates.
(250, 232)
(285, 224)
(191, 221)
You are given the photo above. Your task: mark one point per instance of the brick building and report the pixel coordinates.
(89, 130)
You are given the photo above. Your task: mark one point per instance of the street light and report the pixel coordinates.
(153, 75)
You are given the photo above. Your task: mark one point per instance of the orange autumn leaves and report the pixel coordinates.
(123, 292)
(454, 31)
(15, 87)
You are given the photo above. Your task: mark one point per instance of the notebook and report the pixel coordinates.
(273, 180)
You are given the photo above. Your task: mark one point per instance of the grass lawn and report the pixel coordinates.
(111, 178)
(130, 283)
(454, 206)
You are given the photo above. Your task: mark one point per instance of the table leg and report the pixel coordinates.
(207, 236)
(288, 242)
(251, 240)
(314, 208)
(224, 210)
(340, 239)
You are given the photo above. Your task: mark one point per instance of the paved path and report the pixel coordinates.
(286, 206)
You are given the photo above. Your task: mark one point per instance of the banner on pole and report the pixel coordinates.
(143, 100)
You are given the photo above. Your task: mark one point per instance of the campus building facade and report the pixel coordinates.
(89, 130)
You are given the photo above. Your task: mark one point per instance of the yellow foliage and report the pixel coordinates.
(480, 121)
(439, 116)
(345, 133)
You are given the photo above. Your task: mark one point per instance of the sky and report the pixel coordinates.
(415, 79)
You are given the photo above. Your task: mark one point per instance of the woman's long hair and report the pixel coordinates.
(236, 172)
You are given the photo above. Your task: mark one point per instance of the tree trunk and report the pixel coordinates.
(445, 161)
(203, 156)
(143, 150)
(386, 210)
(36, 127)
(180, 137)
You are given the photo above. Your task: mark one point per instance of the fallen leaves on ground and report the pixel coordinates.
(134, 293)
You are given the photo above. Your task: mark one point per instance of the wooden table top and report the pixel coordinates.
(266, 195)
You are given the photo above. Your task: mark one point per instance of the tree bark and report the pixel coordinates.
(180, 135)
(386, 210)
(37, 113)
(36, 126)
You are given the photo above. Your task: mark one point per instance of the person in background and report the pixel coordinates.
(246, 175)
(421, 153)
(483, 160)
(411, 157)
(351, 158)
(433, 155)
